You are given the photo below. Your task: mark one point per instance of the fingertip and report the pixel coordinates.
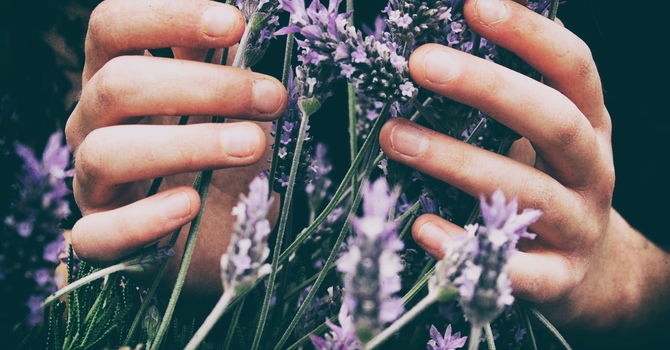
(431, 232)
(106, 236)
(487, 13)
(432, 64)
(222, 22)
(243, 140)
(269, 96)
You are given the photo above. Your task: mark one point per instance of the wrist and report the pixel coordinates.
(623, 294)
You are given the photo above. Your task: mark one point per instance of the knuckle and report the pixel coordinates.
(90, 164)
(540, 195)
(99, 21)
(568, 128)
(106, 85)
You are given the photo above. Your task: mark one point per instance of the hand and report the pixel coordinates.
(123, 131)
(587, 268)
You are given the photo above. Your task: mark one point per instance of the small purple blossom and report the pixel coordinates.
(30, 235)
(290, 130)
(447, 342)
(483, 284)
(262, 22)
(244, 261)
(341, 337)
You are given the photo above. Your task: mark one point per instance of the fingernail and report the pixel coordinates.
(438, 67)
(408, 139)
(266, 96)
(219, 21)
(491, 12)
(431, 238)
(239, 141)
(177, 205)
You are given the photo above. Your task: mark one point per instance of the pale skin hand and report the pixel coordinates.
(123, 131)
(587, 269)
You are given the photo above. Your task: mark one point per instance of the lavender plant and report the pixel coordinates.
(31, 240)
(351, 251)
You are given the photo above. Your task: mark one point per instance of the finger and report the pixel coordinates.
(122, 154)
(542, 276)
(561, 134)
(107, 236)
(477, 171)
(133, 86)
(431, 232)
(121, 27)
(539, 276)
(563, 59)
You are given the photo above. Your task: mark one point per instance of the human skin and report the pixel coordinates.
(123, 133)
(587, 270)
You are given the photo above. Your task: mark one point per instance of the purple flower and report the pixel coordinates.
(317, 188)
(371, 266)
(262, 23)
(290, 130)
(31, 239)
(446, 342)
(370, 63)
(339, 338)
(483, 284)
(243, 262)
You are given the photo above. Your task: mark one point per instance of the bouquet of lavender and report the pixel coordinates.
(349, 277)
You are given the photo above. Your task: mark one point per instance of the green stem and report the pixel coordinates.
(488, 333)
(331, 257)
(553, 10)
(422, 305)
(351, 98)
(353, 137)
(83, 281)
(475, 335)
(186, 259)
(283, 221)
(288, 54)
(211, 320)
(367, 145)
(526, 324)
(233, 325)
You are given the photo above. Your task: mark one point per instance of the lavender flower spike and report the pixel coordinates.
(484, 286)
(446, 342)
(339, 338)
(372, 264)
(243, 263)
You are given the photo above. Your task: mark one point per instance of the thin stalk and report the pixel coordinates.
(549, 326)
(288, 54)
(421, 306)
(283, 221)
(233, 325)
(322, 327)
(527, 325)
(185, 261)
(83, 281)
(488, 334)
(475, 335)
(146, 302)
(351, 98)
(427, 272)
(353, 137)
(211, 320)
(367, 145)
(329, 261)
(553, 10)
